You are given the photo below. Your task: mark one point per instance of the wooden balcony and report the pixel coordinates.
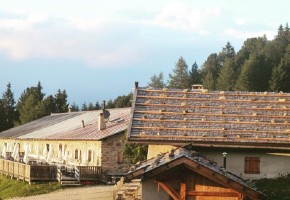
(38, 172)
(27, 172)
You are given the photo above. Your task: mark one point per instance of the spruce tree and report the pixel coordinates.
(61, 101)
(208, 81)
(2, 117)
(91, 106)
(9, 112)
(194, 74)
(226, 79)
(29, 103)
(157, 81)
(180, 76)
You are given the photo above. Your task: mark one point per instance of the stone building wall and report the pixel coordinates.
(112, 154)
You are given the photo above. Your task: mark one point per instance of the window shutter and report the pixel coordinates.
(252, 165)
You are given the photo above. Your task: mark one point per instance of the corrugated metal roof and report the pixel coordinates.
(68, 126)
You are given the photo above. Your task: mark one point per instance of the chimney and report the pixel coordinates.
(104, 105)
(136, 84)
(83, 122)
(69, 108)
(101, 122)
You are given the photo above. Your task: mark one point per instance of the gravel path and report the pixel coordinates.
(89, 192)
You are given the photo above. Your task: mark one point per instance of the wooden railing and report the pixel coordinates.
(15, 169)
(88, 173)
(27, 172)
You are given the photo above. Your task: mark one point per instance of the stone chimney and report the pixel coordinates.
(69, 108)
(101, 122)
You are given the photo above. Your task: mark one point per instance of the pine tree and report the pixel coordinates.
(180, 76)
(9, 112)
(277, 82)
(74, 107)
(91, 106)
(61, 101)
(110, 104)
(208, 81)
(29, 102)
(2, 117)
(194, 74)
(210, 71)
(97, 106)
(84, 106)
(46, 106)
(226, 79)
(244, 82)
(157, 81)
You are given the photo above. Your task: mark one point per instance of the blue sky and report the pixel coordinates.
(97, 49)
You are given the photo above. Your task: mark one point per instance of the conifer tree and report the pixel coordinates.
(84, 106)
(97, 106)
(61, 101)
(226, 79)
(208, 81)
(91, 106)
(194, 74)
(9, 112)
(29, 103)
(157, 81)
(180, 76)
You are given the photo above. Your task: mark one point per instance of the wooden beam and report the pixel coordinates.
(213, 194)
(169, 190)
(221, 179)
(182, 191)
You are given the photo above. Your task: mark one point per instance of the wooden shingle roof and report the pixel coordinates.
(211, 118)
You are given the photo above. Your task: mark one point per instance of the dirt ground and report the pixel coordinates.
(89, 192)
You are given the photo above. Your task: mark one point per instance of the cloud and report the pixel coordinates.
(181, 16)
(248, 34)
(97, 42)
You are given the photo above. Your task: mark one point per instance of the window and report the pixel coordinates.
(90, 155)
(252, 165)
(76, 154)
(120, 157)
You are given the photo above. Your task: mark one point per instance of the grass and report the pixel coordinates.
(275, 189)
(15, 188)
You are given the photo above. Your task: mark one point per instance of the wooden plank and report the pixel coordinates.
(213, 107)
(247, 101)
(169, 190)
(213, 121)
(213, 194)
(182, 192)
(212, 114)
(250, 94)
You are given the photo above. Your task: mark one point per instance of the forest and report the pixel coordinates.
(260, 65)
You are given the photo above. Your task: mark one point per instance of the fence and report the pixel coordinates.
(117, 187)
(27, 172)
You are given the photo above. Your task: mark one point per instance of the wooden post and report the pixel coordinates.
(182, 191)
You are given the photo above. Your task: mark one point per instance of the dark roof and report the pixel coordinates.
(197, 163)
(211, 118)
(68, 126)
(38, 124)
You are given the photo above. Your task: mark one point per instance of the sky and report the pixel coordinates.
(96, 50)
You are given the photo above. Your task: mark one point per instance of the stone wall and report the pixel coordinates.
(112, 152)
